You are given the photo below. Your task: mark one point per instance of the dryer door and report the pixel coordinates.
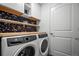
(27, 51)
(44, 47)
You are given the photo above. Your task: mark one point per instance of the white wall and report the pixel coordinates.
(44, 23)
(16, 6)
(45, 17)
(35, 10)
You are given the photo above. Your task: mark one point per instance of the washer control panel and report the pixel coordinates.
(20, 40)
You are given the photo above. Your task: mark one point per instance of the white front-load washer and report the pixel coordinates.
(43, 44)
(26, 45)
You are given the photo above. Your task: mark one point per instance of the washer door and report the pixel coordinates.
(44, 47)
(27, 51)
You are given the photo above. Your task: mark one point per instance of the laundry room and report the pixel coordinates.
(39, 29)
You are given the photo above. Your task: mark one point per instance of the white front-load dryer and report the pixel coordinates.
(43, 44)
(26, 45)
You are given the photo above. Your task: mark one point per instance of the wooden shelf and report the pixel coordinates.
(17, 22)
(15, 12)
(10, 10)
(19, 33)
(33, 19)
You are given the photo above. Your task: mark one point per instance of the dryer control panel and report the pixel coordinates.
(42, 35)
(20, 40)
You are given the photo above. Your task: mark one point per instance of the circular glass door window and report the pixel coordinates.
(44, 46)
(28, 51)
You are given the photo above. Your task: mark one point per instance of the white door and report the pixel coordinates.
(61, 30)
